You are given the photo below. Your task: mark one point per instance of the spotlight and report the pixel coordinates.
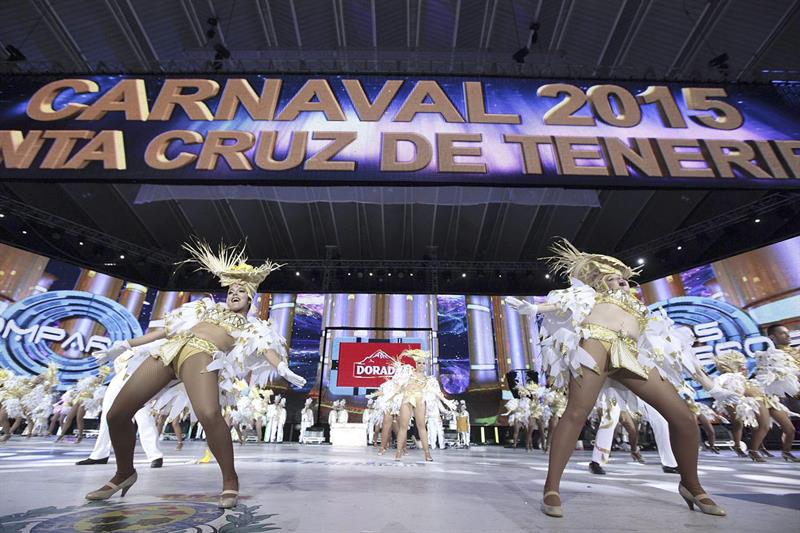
(122, 256)
(519, 55)
(14, 54)
(297, 273)
(758, 220)
(412, 274)
(640, 261)
(2, 215)
(680, 248)
(547, 276)
(80, 243)
(349, 274)
(370, 274)
(389, 274)
(463, 274)
(24, 232)
(499, 275)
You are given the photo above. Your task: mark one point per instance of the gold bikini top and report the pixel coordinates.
(625, 301)
(224, 318)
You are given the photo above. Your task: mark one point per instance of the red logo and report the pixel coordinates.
(369, 364)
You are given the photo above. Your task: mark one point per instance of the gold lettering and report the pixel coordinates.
(727, 153)
(788, 151)
(771, 159)
(128, 96)
(171, 95)
(446, 152)
(673, 159)
(18, 151)
(107, 146)
(440, 103)
(321, 160)
(423, 152)
(63, 143)
(156, 153)
(621, 155)
(240, 92)
(371, 111)
(304, 101)
(568, 157)
(265, 150)
(476, 107)
(530, 150)
(40, 106)
(233, 154)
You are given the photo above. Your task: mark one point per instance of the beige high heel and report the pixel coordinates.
(228, 499)
(705, 508)
(104, 494)
(552, 510)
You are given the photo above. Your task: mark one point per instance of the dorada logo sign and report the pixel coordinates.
(379, 364)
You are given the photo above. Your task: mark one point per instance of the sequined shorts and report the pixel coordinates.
(181, 347)
(623, 349)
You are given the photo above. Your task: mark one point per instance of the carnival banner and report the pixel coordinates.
(375, 129)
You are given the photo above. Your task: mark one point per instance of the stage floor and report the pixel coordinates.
(319, 488)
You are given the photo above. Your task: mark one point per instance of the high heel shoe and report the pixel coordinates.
(637, 456)
(104, 494)
(228, 499)
(713, 449)
(739, 452)
(692, 500)
(756, 457)
(787, 456)
(428, 457)
(764, 452)
(398, 455)
(551, 510)
(179, 446)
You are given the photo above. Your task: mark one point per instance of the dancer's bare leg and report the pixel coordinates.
(551, 429)
(786, 426)
(386, 432)
(419, 414)
(711, 437)
(761, 431)
(632, 428)
(176, 427)
(402, 428)
(259, 427)
(17, 423)
(516, 433)
(529, 434)
(79, 421)
(146, 381)
(160, 421)
(683, 432)
(542, 434)
(29, 426)
(5, 423)
(66, 426)
(580, 402)
(202, 387)
(54, 423)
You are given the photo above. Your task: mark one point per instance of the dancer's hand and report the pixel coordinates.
(288, 375)
(116, 349)
(722, 395)
(522, 307)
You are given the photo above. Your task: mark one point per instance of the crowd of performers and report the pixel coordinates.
(607, 359)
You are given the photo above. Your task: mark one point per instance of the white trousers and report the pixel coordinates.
(435, 433)
(605, 435)
(148, 434)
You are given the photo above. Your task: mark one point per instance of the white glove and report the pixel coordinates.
(722, 395)
(288, 375)
(524, 308)
(116, 349)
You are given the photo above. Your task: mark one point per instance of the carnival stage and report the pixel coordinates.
(286, 487)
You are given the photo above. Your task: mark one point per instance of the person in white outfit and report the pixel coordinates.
(342, 416)
(433, 421)
(366, 419)
(272, 418)
(148, 432)
(281, 421)
(306, 419)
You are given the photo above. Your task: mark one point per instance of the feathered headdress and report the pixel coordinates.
(522, 390)
(532, 387)
(730, 361)
(591, 269)
(104, 371)
(229, 265)
(51, 375)
(419, 356)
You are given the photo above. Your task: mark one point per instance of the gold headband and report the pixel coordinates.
(591, 269)
(730, 361)
(419, 356)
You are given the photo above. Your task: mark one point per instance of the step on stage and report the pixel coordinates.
(321, 488)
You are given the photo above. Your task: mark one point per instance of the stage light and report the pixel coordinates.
(499, 275)
(297, 273)
(519, 55)
(24, 232)
(412, 274)
(389, 274)
(122, 256)
(463, 274)
(640, 261)
(80, 243)
(547, 276)
(758, 220)
(370, 274)
(680, 248)
(2, 215)
(349, 274)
